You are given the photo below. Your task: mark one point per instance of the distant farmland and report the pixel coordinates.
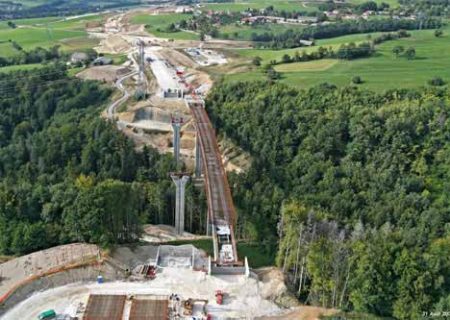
(379, 72)
(157, 25)
(46, 32)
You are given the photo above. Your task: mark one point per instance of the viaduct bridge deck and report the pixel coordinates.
(221, 211)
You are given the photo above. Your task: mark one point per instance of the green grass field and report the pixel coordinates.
(35, 21)
(6, 49)
(70, 72)
(21, 67)
(156, 24)
(47, 32)
(29, 38)
(316, 65)
(380, 72)
(78, 23)
(268, 55)
(117, 59)
(255, 254)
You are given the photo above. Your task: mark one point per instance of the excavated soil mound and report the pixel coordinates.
(114, 44)
(302, 313)
(273, 285)
(103, 73)
(274, 288)
(163, 233)
(177, 58)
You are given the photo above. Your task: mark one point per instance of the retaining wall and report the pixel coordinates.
(86, 273)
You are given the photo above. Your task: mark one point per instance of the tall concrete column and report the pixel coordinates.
(180, 181)
(198, 157)
(176, 125)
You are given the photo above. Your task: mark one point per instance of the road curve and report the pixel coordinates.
(112, 108)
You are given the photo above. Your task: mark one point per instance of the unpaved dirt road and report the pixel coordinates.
(119, 85)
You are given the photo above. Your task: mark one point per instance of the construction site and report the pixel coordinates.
(155, 280)
(143, 282)
(172, 118)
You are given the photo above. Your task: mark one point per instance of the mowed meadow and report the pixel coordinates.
(379, 72)
(47, 32)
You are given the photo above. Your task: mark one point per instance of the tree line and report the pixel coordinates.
(36, 55)
(436, 8)
(347, 51)
(349, 187)
(67, 175)
(294, 14)
(291, 38)
(349, 7)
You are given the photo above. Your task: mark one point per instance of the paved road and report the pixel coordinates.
(112, 108)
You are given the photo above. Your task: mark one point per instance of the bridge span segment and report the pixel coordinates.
(221, 210)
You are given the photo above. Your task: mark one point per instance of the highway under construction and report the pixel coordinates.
(157, 280)
(221, 211)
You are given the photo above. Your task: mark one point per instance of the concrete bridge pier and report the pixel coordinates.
(180, 180)
(177, 122)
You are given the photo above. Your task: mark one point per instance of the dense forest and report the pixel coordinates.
(349, 187)
(67, 175)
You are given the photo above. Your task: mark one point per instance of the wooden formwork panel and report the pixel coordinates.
(105, 307)
(147, 309)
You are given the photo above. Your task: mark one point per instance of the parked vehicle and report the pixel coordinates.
(49, 314)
